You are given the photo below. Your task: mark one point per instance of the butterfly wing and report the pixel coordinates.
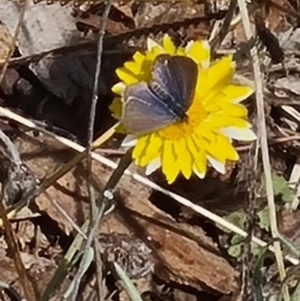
(174, 80)
(143, 111)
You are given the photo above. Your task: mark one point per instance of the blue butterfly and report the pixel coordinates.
(148, 107)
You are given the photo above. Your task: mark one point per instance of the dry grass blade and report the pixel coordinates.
(89, 259)
(71, 164)
(127, 284)
(264, 143)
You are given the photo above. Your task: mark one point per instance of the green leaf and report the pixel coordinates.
(255, 248)
(235, 251)
(236, 244)
(127, 284)
(281, 186)
(264, 220)
(238, 218)
(235, 247)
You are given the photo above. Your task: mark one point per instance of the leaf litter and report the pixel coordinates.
(167, 250)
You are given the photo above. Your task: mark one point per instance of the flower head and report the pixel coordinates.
(214, 117)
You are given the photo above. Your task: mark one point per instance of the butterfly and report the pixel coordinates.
(148, 107)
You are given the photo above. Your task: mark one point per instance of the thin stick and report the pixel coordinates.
(113, 165)
(264, 143)
(91, 191)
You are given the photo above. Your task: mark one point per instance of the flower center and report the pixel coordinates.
(180, 129)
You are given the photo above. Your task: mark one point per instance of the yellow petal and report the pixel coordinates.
(219, 166)
(120, 129)
(196, 147)
(215, 122)
(184, 158)
(201, 162)
(152, 44)
(140, 149)
(233, 110)
(220, 73)
(228, 150)
(212, 96)
(129, 141)
(221, 150)
(116, 107)
(126, 76)
(155, 51)
(203, 86)
(204, 131)
(235, 94)
(193, 145)
(118, 88)
(138, 58)
(199, 51)
(169, 167)
(153, 166)
(153, 149)
(198, 173)
(215, 152)
(224, 94)
(168, 45)
(180, 51)
(242, 134)
(133, 67)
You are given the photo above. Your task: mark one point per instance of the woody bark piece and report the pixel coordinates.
(184, 254)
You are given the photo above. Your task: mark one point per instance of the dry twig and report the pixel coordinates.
(93, 207)
(264, 142)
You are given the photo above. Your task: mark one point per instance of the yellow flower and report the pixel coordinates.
(215, 116)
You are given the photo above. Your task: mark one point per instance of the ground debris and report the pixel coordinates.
(169, 252)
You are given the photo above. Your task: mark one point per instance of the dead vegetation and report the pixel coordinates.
(194, 240)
